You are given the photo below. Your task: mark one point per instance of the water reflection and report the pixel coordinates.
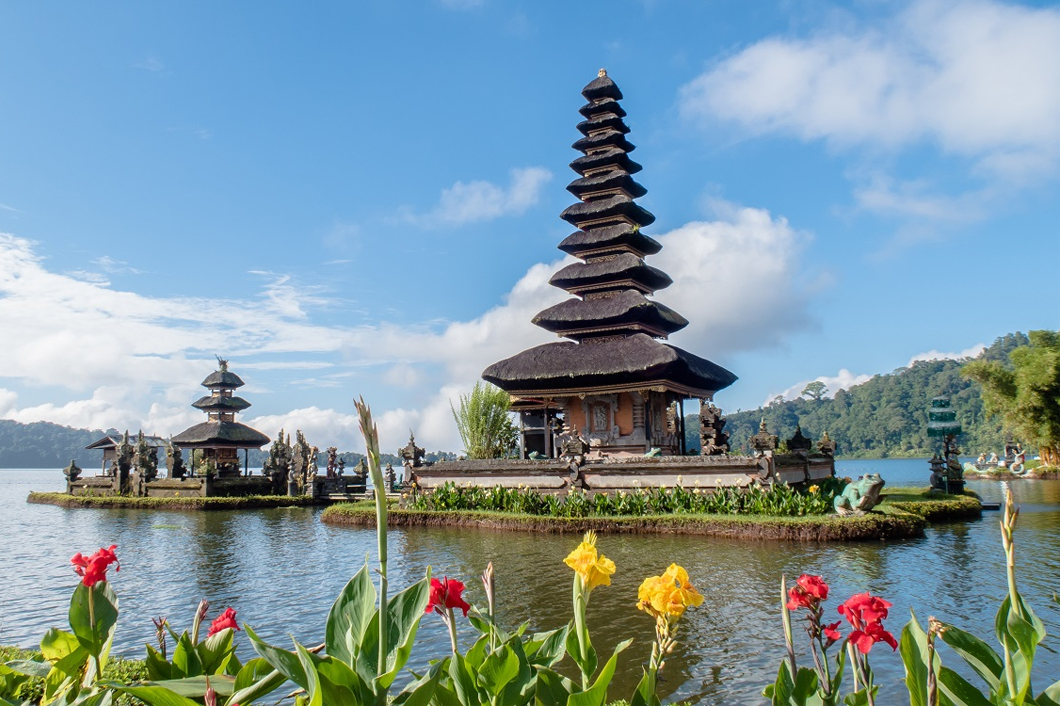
(282, 569)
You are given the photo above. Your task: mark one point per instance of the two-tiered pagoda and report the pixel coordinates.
(615, 383)
(221, 437)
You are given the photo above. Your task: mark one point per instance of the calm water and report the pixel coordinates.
(281, 570)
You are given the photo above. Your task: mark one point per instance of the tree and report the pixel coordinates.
(815, 390)
(1026, 393)
(484, 422)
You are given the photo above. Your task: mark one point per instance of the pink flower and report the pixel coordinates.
(831, 632)
(93, 569)
(224, 621)
(865, 613)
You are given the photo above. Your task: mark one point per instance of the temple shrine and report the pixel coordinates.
(614, 383)
(603, 410)
(221, 437)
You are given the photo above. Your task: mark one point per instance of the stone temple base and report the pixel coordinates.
(612, 475)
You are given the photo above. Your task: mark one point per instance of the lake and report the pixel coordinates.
(281, 570)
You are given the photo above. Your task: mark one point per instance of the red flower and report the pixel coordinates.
(445, 595)
(93, 569)
(831, 633)
(225, 620)
(863, 609)
(808, 592)
(865, 613)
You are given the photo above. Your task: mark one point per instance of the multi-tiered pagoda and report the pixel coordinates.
(614, 383)
(221, 437)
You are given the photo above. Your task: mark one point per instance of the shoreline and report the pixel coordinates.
(107, 502)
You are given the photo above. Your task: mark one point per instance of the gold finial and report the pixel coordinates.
(602, 73)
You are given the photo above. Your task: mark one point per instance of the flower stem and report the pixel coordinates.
(450, 621)
(580, 628)
(92, 626)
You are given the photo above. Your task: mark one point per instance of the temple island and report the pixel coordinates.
(213, 468)
(604, 410)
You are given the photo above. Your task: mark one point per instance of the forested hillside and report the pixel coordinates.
(46, 445)
(884, 417)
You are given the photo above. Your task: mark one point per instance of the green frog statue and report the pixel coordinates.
(860, 496)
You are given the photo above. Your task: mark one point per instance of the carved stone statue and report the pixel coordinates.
(391, 477)
(799, 443)
(763, 441)
(713, 441)
(174, 461)
(410, 454)
(333, 462)
(860, 496)
(278, 464)
(826, 446)
(145, 459)
(72, 472)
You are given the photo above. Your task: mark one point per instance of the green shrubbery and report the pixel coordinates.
(778, 499)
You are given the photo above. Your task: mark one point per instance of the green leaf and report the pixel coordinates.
(959, 691)
(29, 667)
(316, 696)
(551, 688)
(283, 661)
(498, 669)
(65, 652)
(156, 696)
(858, 698)
(215, 651)
(913, 646)
(185, 659)
(1049, 697)
(596, 695)
(256, 679)
(404, 612)
(349, 617)
(573, 649)
(157, 667)
(645, 693)
(422, 690)
(195, 687)
(95, 638)
(980, 656)
(552, 647)
(462, 681)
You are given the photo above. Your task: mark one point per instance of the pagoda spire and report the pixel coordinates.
(612, 280)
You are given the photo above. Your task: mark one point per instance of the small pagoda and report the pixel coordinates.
(221, 437)
(942, 423)
(615, 384)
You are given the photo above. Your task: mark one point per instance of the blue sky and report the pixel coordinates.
(362, 198)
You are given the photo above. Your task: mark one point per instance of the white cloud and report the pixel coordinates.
(118, 353)
(474, 201)
(109, 264)
(843, 380)
(970, 352)
(151, 63)
(979, 78)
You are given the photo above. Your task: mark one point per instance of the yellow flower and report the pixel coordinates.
(669, 594)
(813, 489)
(595, 569)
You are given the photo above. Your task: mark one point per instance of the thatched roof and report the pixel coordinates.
(606, 138)
(601, 87)
(218, 402)
(628, 309)
(606, 121)
(614, 206)
(214, 434)
(617, 237)
(222, 379)
(603, 181)
(614, 158)
(622, 270)
(633, 361)
(604, 107)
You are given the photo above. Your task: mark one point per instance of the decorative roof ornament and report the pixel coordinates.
(763, 440)
(602, 73)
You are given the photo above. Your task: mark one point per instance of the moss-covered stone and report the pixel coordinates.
(175, 503)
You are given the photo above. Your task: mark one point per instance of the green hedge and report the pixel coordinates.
(125, 670)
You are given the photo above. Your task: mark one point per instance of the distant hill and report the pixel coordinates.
(884, 417)
(47, 445)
